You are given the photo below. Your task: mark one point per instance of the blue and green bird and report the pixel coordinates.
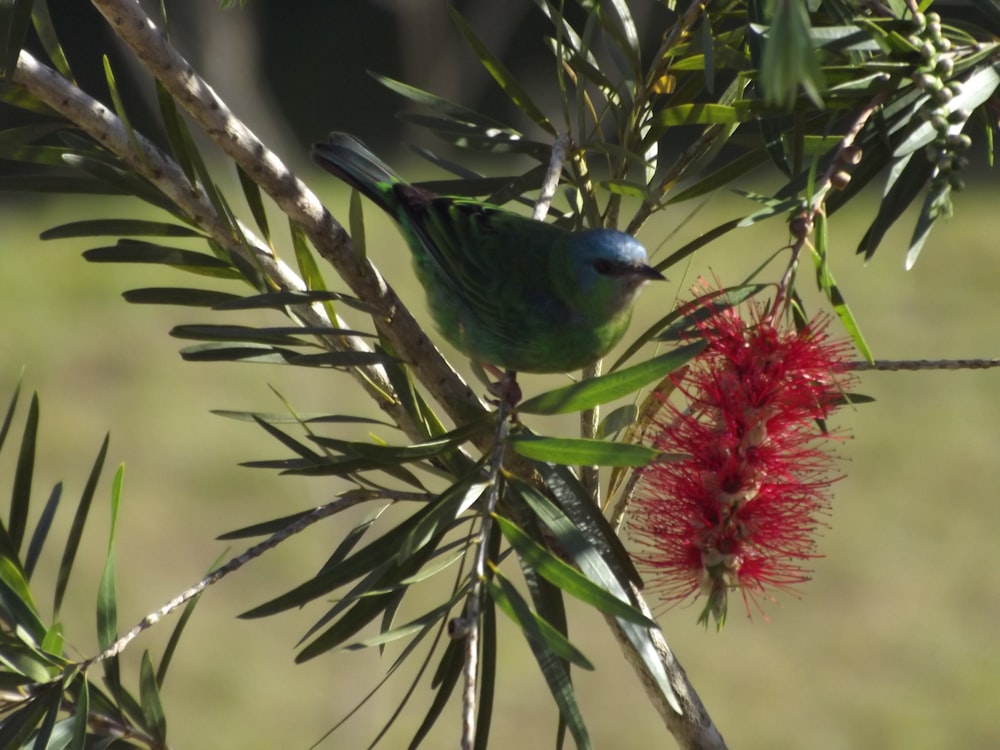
(504, 289)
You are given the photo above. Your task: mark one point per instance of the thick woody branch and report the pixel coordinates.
(692, 728)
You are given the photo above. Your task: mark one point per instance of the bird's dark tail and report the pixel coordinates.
(349, 159)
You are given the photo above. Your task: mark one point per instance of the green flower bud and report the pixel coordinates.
(944, 67)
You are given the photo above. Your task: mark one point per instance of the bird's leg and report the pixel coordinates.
(510, 391)
(505, 387)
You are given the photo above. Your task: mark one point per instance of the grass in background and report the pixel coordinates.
(892, 644)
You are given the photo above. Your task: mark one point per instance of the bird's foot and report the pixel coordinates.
(505, 389)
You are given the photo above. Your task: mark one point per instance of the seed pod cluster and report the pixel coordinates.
(933, 76)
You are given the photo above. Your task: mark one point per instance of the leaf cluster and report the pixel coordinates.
(51, 699)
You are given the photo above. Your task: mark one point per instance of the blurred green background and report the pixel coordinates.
(892, 645)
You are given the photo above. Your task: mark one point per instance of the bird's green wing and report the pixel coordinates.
(488, 258)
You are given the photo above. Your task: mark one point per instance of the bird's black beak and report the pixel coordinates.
(648, 273)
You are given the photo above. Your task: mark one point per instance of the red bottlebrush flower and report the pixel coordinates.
(736, 504)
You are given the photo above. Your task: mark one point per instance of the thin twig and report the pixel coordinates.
(478, 574)
(560, 147)
(804, 224)
(889, 365)
(345, 501)
(590, 420)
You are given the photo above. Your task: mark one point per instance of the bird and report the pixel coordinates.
(506, 290)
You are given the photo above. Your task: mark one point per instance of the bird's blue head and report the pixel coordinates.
(609, 268)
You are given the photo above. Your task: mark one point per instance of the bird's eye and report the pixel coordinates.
(604, 267)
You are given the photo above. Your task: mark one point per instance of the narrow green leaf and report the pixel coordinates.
(581, 451)
(417, 625)
(585, 534)
(81, 715)
(53, 643)
(340, 359)
(617, 420)
(118, 228)
(445, 509)
(17, 726)
(149, 696)
(722, 177)
(21, 98)
(772, 207)
(178, 631)
(576, 503)
(178, 296)
(42, 21)
(445, 679)
(15, 19)
(12, 139)
(353, 537)
(76, 530)
(587, 394)
(289, 442)
(623, 30)
(501, 75)
(224, 352)
(264, 528)
(936, 205)
(907, 179)
(251, 191)
(279, 300)
(107, 600)
(276, 337)
(829, 286)
(356, 224)
(475, 137)
(677, 325)
(359, 564)
(137, 251)
(58, 182)
(537, 630)
(628, 189)
(366, 608)
(9, 415)
(42, 530)
(698, 114)
(308, 268)
(119, 105)
(552, 664)
(567, 578)
(789, 60)
(17, 604)
(299, 419)
(43, 735)
(181, 144)
(20, 500)
(442, 106)
(444, 443)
